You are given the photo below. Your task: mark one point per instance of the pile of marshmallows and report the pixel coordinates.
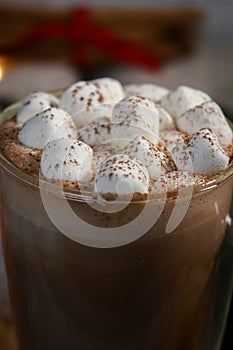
(153, 133)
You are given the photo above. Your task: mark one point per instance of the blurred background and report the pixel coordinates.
(45, 45)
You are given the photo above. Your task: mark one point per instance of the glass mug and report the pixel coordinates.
(149, 289)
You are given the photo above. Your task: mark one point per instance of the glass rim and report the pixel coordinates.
(76, 194)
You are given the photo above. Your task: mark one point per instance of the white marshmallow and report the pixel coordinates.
(34, 103)
(135, 116)
(113, 146)
(182, 99)
(122, 175)
(165, 120)
(46, 126)
(156, 161)
(87, 116)
(65, 159)
(96, 132)
(173, 181)
(98, 158)
(123, 131)
(151, 91)
(172, 137)
(207, 115)
(81, 96)
(111, 89)
(202, 155)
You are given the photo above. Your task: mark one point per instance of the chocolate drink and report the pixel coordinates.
(156, 292)
(152, 293)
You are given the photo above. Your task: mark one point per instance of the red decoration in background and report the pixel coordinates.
(82, 33)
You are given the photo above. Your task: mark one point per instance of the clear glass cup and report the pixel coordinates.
(159, 290)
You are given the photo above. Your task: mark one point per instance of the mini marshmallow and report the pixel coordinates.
(135, 116)
(151, 91)
(82, 118)
(165, 120)
(172, 137)
(202, 155)
(182, 99)
(34, 103)
(122, 175)
(174, 180)
(81, 96)
(127, 132)
(46, 126)
(65, 159)
(113, 146)
(156, 161)
(98, 158)
(111, 89)
(97, 131)
(207, 115)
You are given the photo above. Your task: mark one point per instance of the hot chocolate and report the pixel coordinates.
(126, 163)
